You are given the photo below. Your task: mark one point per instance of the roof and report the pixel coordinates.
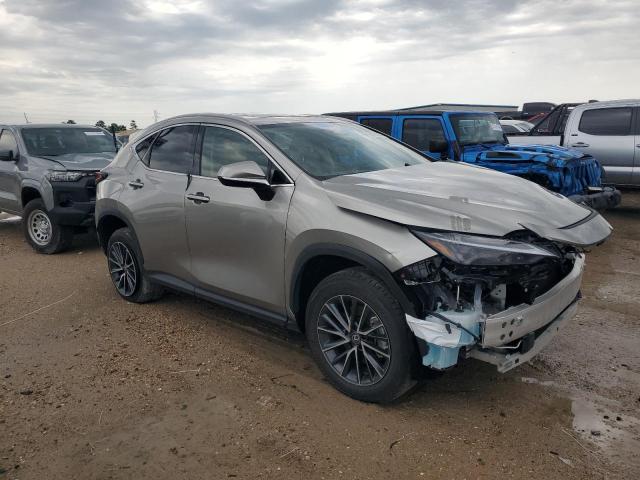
(609, 103)
(47, 125)
(253, 119)
(463, 107)
(400, 112)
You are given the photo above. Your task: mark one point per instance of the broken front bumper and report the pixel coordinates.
(508, 338)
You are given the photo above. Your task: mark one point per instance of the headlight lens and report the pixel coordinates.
(60, 176)
(475, 250)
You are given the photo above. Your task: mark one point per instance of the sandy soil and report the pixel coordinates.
(93, 387)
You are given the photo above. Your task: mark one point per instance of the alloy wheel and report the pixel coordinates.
(353, 340)
(39, 227)
(122, 269)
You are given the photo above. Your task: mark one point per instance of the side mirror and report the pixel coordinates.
(6, 156)
(438, 146)
(246, 175)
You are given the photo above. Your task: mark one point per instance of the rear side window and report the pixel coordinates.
(221, 146)
(383, 125)
(172, 150)
(8, 142)
(606, 121)
(421, 132)
(143, 147)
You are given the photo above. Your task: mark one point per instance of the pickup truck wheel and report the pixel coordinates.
(41, 232)
(359, 338)
(125, 268)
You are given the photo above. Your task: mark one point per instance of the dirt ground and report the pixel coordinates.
(93, 387)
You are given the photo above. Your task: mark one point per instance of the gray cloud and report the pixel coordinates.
(92, 59)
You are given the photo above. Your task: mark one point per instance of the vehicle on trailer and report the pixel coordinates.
(609, 131)
(47, 176)
(477, 138)
(386, 260)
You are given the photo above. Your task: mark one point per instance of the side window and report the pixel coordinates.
(510, 129)
(383, 125)
(221, 146)
(143, 147)
(606, 121)
(421, 132)
(172, 150)
(8, 141)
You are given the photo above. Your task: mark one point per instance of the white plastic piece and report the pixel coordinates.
(434, 331)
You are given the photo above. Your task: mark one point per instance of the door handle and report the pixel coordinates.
(580, 145)
(198, 198)
(136, 184)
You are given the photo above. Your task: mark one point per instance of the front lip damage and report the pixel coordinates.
(540, 320)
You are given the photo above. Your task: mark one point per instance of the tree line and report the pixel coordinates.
(113, 126)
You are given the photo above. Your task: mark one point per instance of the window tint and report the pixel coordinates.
(143, 147)
(606, 121)
(8, 142)
(420, 132)
(381, 124)
(221, 146)
(172, 150)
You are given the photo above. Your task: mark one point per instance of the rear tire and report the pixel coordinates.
(41, 232)
(124, 261)
(371, 325)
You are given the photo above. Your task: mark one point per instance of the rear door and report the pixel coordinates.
(606, 133)
(424, 133)
(635, 176)
(155, 195)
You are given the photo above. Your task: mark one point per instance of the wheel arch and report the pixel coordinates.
(28, 193)
(316, 262)
(110, 221)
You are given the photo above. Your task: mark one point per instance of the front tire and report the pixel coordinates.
(124, 261)
(359, 338)
(41, 232)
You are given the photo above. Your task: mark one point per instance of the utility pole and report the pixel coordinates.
(25, 117)
(156, 115)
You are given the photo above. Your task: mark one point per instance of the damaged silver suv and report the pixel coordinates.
(385, 259)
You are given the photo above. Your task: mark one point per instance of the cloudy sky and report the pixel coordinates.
(119, 60)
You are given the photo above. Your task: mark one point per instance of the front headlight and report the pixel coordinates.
(476, 250)
(60, 176)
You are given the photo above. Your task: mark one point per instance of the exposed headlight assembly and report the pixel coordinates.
(476, 250)
(61, 176)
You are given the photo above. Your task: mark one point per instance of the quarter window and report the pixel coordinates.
(606, 121)
(8, 142)
(383, 125)
(172, 150)
(143, 147)
(221, 146)
(421, 132)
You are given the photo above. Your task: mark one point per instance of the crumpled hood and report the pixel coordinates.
(82, 161)
(464, 198)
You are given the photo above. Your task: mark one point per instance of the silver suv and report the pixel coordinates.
(385, 259)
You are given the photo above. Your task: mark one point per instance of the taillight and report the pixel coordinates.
(101, 176)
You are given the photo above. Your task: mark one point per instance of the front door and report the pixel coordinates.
(425, 133)
(235, 238)
(606, 134)
(155, 194)
(9, 181)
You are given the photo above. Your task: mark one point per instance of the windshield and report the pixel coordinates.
(475, 128)
(53, 141)
(331, 149)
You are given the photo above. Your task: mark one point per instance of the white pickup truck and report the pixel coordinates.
(609, 131)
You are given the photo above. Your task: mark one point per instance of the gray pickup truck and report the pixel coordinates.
(48, 177)
(609, 131)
